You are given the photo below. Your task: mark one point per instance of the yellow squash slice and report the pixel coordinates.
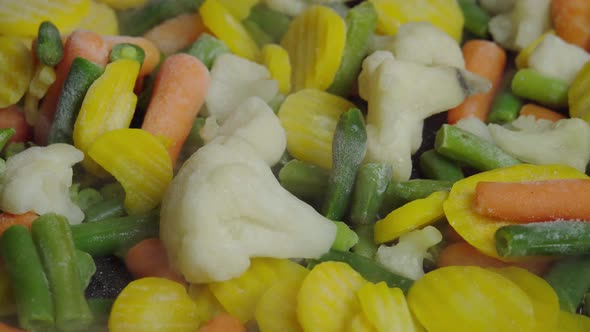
(101, 19)
(276, 59)
(386, 308)
(207, 305)
(579, 95)
(16, 69)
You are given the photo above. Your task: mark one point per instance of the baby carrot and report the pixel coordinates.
(488, 60)
(152, 54)
(540, 112)
(13, 117)
(8, 328)
(223, 323)
(80, 43)
(148, 259)
(565, 199)
(176, 33)
(463, 254)
(571, 19)
(179, 91)
(9, 219)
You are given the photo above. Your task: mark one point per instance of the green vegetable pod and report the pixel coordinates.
(32, 293)
(346, 238)
(127, 51)
(476, 18)
(135, 22)
(371, 183)
(434, 166)
(5, 135)
(361, 22)
(570, 278)
(305, 180)
(505, 108)
(460, 145)
(399, 193)
(348, 151)
(207, 48)
(260, 36)
(272, 22)
(49, 47)
(53, 239)
(80, 77)
(555, 238)
(368, 268)
(109, 208)
(107, 236)
(366, 245)
(545, 90)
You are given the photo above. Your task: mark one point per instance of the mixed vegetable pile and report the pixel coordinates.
(294, 165)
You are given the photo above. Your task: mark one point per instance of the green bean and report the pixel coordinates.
(348, 150)
(505, 108)
(371, 183)
(476, 19)
(548, 91)
(434, 166)
(32, 294)
(460, 145)
(305, 180)
(105, 237)
(346, 238)
(109, 208)
(135, 22)
(53, 239)
(368, 268)
(207, 48)
(127, 51)
(570, 278)
(86, 266)
(366, 245)
(270, 21)
(49, 46)
(5, 135)
(399, 193)
(101, 309)
(88, 197)
(260, 36)
(556, 238)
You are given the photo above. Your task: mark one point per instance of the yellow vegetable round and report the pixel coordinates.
(16, 69)
(468, 299)
(579, 95)
(479, 230)
(153, 305)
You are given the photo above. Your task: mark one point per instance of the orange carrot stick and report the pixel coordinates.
(176, 33)
(571, 19)
(152, 54)
(223, 323)
(9, 219)
(179, 92)
(540, 112)
(80, 43)
(463, 254)
(563, 199)
(13, 117)
(7, 328)
(486, 59)
(148, 259)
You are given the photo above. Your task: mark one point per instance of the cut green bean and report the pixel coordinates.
(556, 238)
(545, 90)
(53, 239)
(49, 46)
(105, 237)
(305, 180)
(476, 18)
(127, 51)
(113, 191)
(399, 193)
(361, 22)
(80, 77)
(505, 108)
(260, 36)
(366, 245)
(460, 145)
(109, 208)
(5, 135)
(371, 183)
(101, 309)
(207, 48)
(86, 266)
(435, 166)
(570, 278)
(88, 197)
(32, 293)
(348, 150)
(135, 22)
(346, 238)
(368, 268)
(274, 23)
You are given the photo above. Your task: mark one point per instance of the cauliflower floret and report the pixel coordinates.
(38, 180)
(527, 21)
(233, 80)
(407, 256)
(556, 58)
(476, 127)
(225, 205)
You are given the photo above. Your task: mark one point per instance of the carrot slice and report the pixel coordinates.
(223, 323)
(80, 43)
(463, 254)
(152, 54)
(540, 112)
(13, 117)
(8, 328)
(534, 201)
(148, 259)
(176, 33)
(488, 60)
(9, 219)
(179, 92)
(571, 19)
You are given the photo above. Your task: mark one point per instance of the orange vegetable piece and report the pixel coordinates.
(223, 323)
(571, 19)
(540, 112)
(9, 219)
(13, 117)
(176, 33)
(148, 259)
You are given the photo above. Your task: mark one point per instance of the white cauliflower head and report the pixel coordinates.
(38, 180)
